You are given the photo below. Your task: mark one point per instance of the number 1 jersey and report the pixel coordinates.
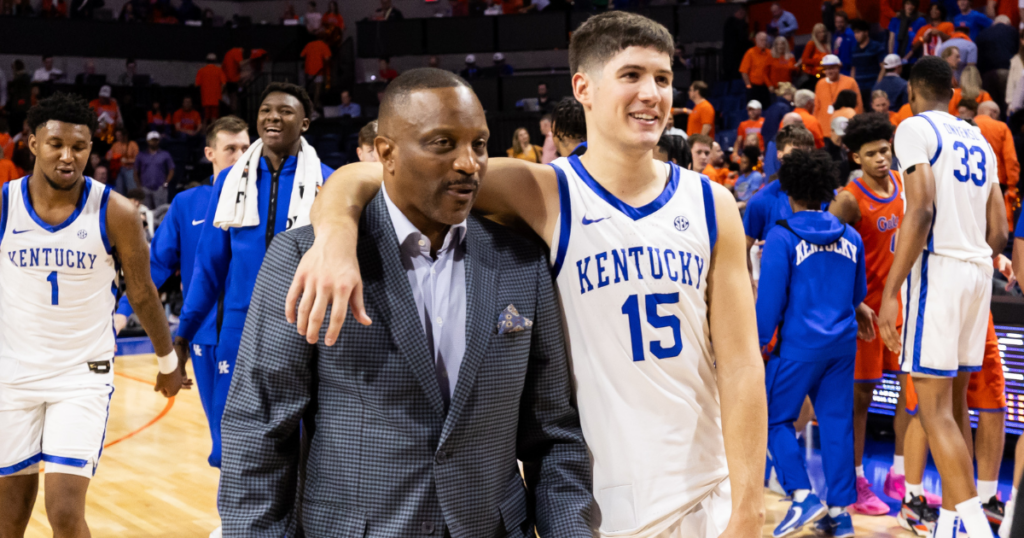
(633, 284)
(57, 291)
(964, 167)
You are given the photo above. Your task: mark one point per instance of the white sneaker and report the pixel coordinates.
(216, 533)
(1004, 527)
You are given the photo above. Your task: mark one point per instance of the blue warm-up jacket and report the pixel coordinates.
(812, 279)
(174, 247)
(228, 261)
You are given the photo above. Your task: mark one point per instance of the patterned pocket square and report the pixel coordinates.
(509, 321)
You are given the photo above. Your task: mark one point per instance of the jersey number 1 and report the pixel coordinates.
(631, 308)
(54, 289)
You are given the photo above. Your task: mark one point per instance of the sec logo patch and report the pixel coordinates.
(681, 223)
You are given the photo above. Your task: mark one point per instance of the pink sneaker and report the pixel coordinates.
(896, 488)
(867, 503)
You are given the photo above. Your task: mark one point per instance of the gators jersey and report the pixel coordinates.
(879, 220)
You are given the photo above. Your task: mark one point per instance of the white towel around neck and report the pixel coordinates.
(238, 205)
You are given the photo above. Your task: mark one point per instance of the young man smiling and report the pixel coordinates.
(674, 428)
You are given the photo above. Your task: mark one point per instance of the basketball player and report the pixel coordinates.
(174, 249)
(986, 396)
(1018, 464)
(60, 235)
(569, 127)
(650, 265)
(955, 221)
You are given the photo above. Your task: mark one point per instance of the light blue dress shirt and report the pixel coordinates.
(786, 24)
(351, 109)
(439, 289)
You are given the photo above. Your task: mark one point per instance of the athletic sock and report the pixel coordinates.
(947, 524)
(834, 511)
(860, 471)
(800, 495)
(897, 465)
(913, 490)
(987, 489)
(974, 518)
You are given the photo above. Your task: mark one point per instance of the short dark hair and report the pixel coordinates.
(942, 10)
(860, 25)
(841, 13)
(673, 146)
(421, 78)
(846, 99)
(809, 176)
(229, 124)
(567, 119)
(64, 107)
(794, 135)
(866, 128)
(603, 36)
(702, 139)
(136, 194)
(933, 77)
(368, 133)
(916, 3)
(701, 88)
(295, 91)
(752, 153)
(969, 104)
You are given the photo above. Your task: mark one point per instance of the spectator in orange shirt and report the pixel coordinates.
(211, 80)
(384, 71)
(702, 115)
(332, 16)
(998, 135)
(156, 120)
(7, 169)
(827, 90)
(815, 50)
(903, 113)
(186, 120)
(880, 104)
(121, 157)
(754, 69)
(782, 65)
(108, 115)
(928, 38)
(716, 170)
(970, 88)
(750, 126)
(6, 141)
(805, 103)
(317, 55)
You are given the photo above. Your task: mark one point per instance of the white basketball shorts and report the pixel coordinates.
(61, 420)
(945, 317)
(707, 519)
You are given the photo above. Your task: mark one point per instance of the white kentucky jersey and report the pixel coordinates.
(965, 168)
(633, 284)
(57, 290)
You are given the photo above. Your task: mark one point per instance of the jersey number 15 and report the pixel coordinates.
(631, 308)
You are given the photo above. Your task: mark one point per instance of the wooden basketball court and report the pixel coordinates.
(154, 481)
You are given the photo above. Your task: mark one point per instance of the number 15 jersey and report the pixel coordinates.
(57, 291)
(964, 167)
(633, 284)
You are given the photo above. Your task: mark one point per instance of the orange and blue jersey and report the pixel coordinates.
(879, 219)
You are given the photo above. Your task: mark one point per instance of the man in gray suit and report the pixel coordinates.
(413, 424)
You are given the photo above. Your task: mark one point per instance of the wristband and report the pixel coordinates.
(168, 363)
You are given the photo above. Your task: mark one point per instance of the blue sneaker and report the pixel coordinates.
(800, 514)
(840, 526)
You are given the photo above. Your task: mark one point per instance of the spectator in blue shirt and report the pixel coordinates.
(783, 23)
(347, 107)
(773, 115)
(969, 21)
(903, 28)
(866, 58)
(966, 54)
(843, 41)
(500, 68)
(997, 45)
(749, 181)
(892, 83)
(154, 169)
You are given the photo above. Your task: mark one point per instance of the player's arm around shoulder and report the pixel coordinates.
(740, 372)
(520, 194)
(124, 229)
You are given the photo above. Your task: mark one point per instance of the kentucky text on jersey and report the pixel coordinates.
(676, 265)
(843, 247)
(60, 257)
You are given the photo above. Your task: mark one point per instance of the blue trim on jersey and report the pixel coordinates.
(970, 369)
(4, 471)
(104, 438)
(919, 332)
(68, 221)
(635, 213)
(709, 209)
(6, 212)
(103, 220)
(565, 209)
(982, 410)
(937, 137)
(869, 194)
(61, 460)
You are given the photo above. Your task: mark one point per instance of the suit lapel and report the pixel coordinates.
(401, 316)
(481, 315)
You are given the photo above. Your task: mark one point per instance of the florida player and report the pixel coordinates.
(60, 236)
(641, 346)
(986, 396)
(955, 220)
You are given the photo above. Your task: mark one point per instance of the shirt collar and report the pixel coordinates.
(409, 236)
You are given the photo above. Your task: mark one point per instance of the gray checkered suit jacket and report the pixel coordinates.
(383, 459)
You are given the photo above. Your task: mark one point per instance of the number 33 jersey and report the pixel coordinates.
(57, 291)
(633, 284)
(964, 167)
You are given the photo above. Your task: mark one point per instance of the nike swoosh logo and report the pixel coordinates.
(21, 231)
(587, 221)
(797, 512)
(198, 222)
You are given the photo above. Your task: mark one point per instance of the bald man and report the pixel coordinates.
(421, 416)
(999, 136)
(754, 70)
(772, 159)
